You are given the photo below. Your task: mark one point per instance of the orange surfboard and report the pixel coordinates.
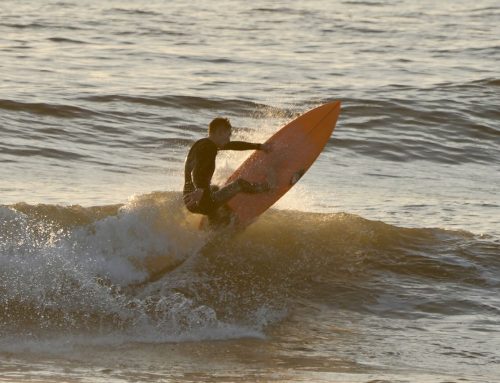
(294, 149)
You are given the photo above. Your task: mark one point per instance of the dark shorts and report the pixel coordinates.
(207, 205)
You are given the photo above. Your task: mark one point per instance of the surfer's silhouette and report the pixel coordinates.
(200, 197)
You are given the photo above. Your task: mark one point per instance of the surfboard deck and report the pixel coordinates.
(295, 147)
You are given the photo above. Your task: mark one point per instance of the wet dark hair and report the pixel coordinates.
(218, 124)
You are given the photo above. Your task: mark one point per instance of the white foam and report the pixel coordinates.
(84, 273)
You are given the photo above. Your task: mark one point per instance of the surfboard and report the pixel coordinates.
(295, 147)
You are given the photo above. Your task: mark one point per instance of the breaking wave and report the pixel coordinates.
(141, 271)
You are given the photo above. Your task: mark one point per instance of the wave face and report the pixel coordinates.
(139, 272)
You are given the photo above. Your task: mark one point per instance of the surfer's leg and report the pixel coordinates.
(223, 195)
(253, 187)
(220, 215)
(214, 188)
(219, 218)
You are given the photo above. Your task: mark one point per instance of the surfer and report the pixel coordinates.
(200, 196)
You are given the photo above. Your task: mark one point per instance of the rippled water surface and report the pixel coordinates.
(381, 264)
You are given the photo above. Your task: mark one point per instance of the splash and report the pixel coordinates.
(142, 272)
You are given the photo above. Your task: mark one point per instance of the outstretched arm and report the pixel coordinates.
(242, 145)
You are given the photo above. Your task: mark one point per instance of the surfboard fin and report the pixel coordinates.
(297, 176)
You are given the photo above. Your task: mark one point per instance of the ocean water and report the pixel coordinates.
(381, 265)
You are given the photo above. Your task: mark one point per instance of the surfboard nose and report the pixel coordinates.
(317, 115)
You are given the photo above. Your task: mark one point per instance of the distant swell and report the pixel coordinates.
(402, 130)
(436, 130)
(44, 109)
(133, 12)
(187, 102)
(66, 40)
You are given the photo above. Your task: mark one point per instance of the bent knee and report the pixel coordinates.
(244, 184)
